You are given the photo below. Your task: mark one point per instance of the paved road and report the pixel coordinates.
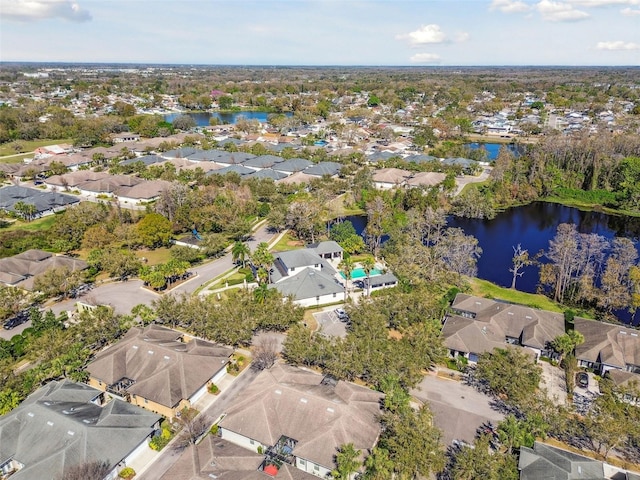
(209, 271)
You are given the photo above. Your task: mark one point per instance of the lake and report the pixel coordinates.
(531, 226)
(493, 149)
(202, 118)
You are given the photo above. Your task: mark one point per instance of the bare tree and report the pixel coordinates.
(95, 470)
(192, 426)
(265, 353)
(520, 260)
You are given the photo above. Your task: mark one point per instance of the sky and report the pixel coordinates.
(323, 32)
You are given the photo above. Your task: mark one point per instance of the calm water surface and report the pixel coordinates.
(531, 226)
(202, 118)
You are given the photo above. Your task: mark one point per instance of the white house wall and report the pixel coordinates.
(322, 300)
(312, 468)
(241, 440)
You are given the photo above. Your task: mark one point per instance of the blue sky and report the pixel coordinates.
(323, 32)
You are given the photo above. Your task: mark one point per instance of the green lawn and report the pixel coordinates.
(287, 242)
(482, 288)
(37, 225)
(29, 146)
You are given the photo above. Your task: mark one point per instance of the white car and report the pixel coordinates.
(342, 315)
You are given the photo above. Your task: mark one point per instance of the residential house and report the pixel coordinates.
(387, 178)
(543, 462)
(297, 177)
(125, 137)
(376, 282)
(607, 346)
(426, 179)
(45, 203)
(477, 325)
(328, 250)
(64, 424)
(301, 418)
(292, 165)
(311, 287)
(159, 369)
(267, 173)
(263, 161)
(218, 458)
(307, 276)
(331, 169)
(21, 270)
(627, 381)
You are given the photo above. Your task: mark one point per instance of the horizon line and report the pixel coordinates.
(276, 65)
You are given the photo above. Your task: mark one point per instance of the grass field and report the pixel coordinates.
(37, 225)
(30, 145)
(482, 288)
(287, 242)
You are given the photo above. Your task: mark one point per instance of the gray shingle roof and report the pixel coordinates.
(324, 168)
(43, 201)
(239, 169)
(263, 161)
(293, 165)
(267, 173)
(547, 462)
(145, 159)
(183, 152)
(309, 283)
(58, 426)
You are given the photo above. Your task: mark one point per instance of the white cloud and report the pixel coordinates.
(618, 45)
(560, 12)
(462, 37)
(425, 58)
(30, 10)
(426, 34)
(509, 6)
(603, 3)
(630, 12)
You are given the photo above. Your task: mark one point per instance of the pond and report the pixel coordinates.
(531, 226)
(202, 118)
(493, 149)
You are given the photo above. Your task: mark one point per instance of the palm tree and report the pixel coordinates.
(240, 252)
(263, 260)
(368, 265)
(346, 267)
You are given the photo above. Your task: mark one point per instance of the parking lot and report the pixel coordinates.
(458, 409)
(329, 324)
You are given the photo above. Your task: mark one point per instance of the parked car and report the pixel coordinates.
(19, 319)
(342, 315)
(582, 379)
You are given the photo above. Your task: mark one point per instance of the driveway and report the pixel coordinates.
(553, 381)
(458, 409)
(464, 180)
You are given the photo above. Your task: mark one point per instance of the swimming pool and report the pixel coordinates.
(359, 273)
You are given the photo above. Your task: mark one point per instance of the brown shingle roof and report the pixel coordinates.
(165, 370)
(293, 402)
(606, 343)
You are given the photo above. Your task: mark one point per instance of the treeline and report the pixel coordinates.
(605, 166)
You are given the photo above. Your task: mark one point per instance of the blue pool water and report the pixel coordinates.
(359, 273)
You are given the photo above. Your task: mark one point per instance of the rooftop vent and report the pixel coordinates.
(50, 423)
(330, 410)
(30, 414)
(279, 392)
(150, 352)
(166, 357)
(135, 347)
(528, 316)
(71, 432)
(303, 400)
(509, 313)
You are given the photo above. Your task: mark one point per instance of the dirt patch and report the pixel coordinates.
(396, 335)
(295, 243)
